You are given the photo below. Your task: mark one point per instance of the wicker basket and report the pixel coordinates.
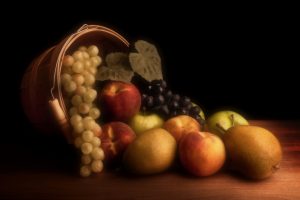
(41, 93)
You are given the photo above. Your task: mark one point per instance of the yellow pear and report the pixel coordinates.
(253, 151)
(151, 152)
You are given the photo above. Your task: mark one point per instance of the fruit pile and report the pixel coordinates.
(144, 125)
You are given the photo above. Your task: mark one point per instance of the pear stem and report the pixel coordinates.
(232, 119)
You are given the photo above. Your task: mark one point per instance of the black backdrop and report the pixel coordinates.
(245, 61)
(222, 58)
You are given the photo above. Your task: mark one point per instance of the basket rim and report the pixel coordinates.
(56, 90)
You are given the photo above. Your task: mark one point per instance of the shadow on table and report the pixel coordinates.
(27, 149)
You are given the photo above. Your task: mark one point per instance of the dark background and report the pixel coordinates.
(223, 57)
(230, 58)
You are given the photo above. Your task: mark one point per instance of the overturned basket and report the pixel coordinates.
(41, 92)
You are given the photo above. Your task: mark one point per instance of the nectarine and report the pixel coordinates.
(181, 125)
(201, 153)
(115, 138)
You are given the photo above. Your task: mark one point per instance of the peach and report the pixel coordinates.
(119, 101)
(115, 138)
(201, 153)
(181, 125)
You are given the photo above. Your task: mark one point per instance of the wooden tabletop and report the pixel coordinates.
(41, 170)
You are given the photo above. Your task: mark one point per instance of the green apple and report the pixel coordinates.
(143, 122)
(221, 121)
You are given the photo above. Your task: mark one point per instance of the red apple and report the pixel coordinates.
(115, 138)
(119, 101)
(181, 125)
(201, 153)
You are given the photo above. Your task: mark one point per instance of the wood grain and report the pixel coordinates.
(41, 179)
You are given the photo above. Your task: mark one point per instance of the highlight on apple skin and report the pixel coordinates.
(119, 101)
(201, 153)
(180, 125)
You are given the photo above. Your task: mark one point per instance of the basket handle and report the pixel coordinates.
(60, 117)
(83, 27)
(87, 26)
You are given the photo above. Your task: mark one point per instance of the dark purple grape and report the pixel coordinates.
(149, 101)
(174, 104)
(182, 111)
(188, 107)
(185, 101)
(176, 97)
(163, 84)
(165, 110)
(156, 109)
(157, 89)
(173, 113)
(159, 100)
(195, 116)
(168, 95)
(144, 109)
(195, 110)
(144, 96)
(149, 89)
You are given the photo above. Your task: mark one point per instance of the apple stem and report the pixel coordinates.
(232, 119)
(220, 127)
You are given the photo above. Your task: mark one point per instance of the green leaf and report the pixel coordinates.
(117, 69)
(118, 60)
(146, 62)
